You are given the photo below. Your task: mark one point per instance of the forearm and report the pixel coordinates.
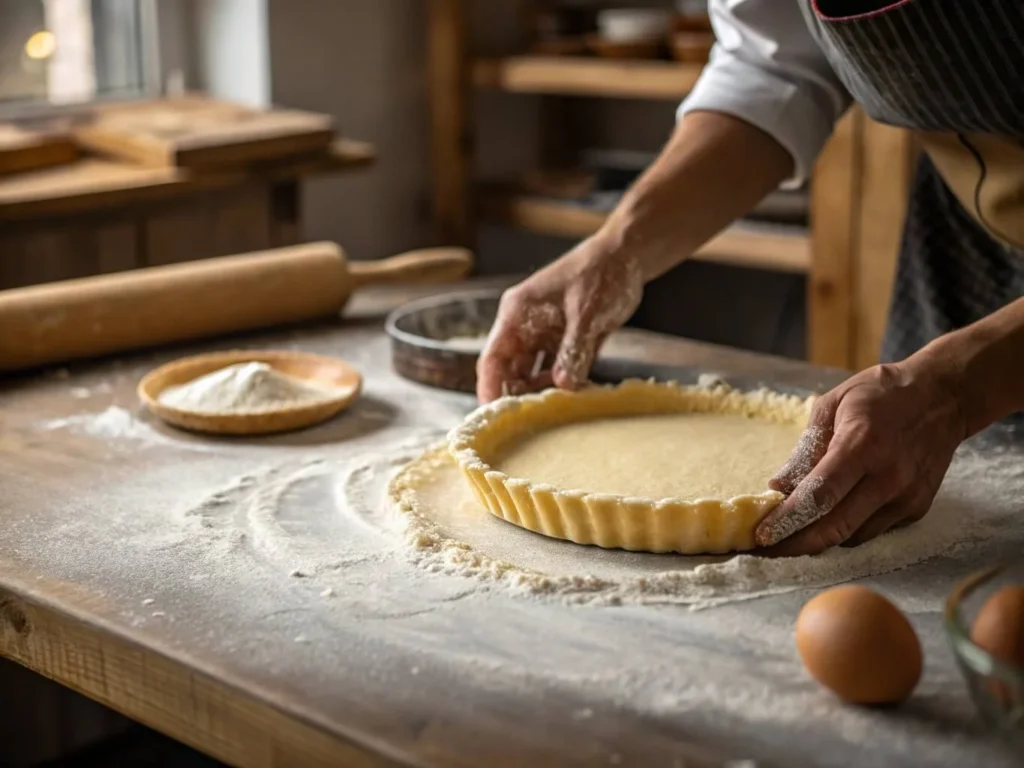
(987, 360)
(714, 169)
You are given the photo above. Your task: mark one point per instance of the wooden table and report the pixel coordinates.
(120, 578)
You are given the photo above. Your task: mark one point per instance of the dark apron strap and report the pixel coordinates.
(951, 272)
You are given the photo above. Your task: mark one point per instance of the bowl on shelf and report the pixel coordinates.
(559, 22)
(561, 31)
(997, 687)
(560, 184)
(692, 47)
(697, 22)
(652, 48)
(634, 25)
(560, 46)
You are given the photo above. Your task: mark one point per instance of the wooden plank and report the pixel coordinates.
(887, 168)
(85, 185)
(94, 184)
(220, 223)
(341, 155)
(835, 199)
(543, 216)
(200, 133)
(241, 221)
(285, 213)
(573, 76)
(450, 124)
(25, 149)
(67, 249)
(46, 254)
(785, 249)
(117, 245)
(179, 232)
(161, 692)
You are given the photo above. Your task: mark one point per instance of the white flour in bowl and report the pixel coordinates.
(244, 388)
(467, 343)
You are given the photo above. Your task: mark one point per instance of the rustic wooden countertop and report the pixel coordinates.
(120, 578)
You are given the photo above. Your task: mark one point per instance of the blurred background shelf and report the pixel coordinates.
(761, 246)
(835, 240)
(582, 76)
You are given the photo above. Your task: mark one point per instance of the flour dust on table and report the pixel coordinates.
(316, 517)
(282, 561)
(113, 423)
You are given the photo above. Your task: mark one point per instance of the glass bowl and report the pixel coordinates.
(996, 687)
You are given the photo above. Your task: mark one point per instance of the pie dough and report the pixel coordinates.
(640, 466)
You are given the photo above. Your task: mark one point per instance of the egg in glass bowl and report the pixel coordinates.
(984, 621)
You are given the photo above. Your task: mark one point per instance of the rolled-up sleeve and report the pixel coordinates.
(767, 69)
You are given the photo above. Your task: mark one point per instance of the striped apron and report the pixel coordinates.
(953, 73)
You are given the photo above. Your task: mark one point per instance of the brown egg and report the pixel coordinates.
(859, 645)
(999, 626)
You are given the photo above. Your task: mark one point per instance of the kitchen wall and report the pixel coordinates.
(363, 62)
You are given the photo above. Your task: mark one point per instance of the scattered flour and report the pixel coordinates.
(711, 381)
(979, 496)
(84, 393)
(114, 423)
(215, 554)
(244, 388)
(467, 343)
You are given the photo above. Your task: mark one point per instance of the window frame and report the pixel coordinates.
(163, 49)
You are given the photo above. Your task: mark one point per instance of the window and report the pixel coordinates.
(67, 52)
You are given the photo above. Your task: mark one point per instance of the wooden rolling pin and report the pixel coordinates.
(74, 319)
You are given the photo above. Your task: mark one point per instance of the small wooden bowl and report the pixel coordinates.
(651, 48)
(692, 23)
(692, 47)
(324, 371)
(561, 184)
(560, 46)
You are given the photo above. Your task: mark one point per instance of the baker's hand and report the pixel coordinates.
(549, 327)
(872, 458)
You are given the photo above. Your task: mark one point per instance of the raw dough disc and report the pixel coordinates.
(448, 531)
(687, 456)
(437, 496)
(642, 465)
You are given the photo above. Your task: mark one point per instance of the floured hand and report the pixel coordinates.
(872, 459)
(550, 327)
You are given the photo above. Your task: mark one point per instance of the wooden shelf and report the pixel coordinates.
(579, 76)
(782, 248)
(94, 183)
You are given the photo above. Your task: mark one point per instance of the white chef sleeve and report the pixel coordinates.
(767, 69)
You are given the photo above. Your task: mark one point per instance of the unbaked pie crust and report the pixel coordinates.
(675, 524)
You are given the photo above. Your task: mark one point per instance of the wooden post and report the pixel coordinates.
(887, 165)
(449, 103)
(834, 214)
